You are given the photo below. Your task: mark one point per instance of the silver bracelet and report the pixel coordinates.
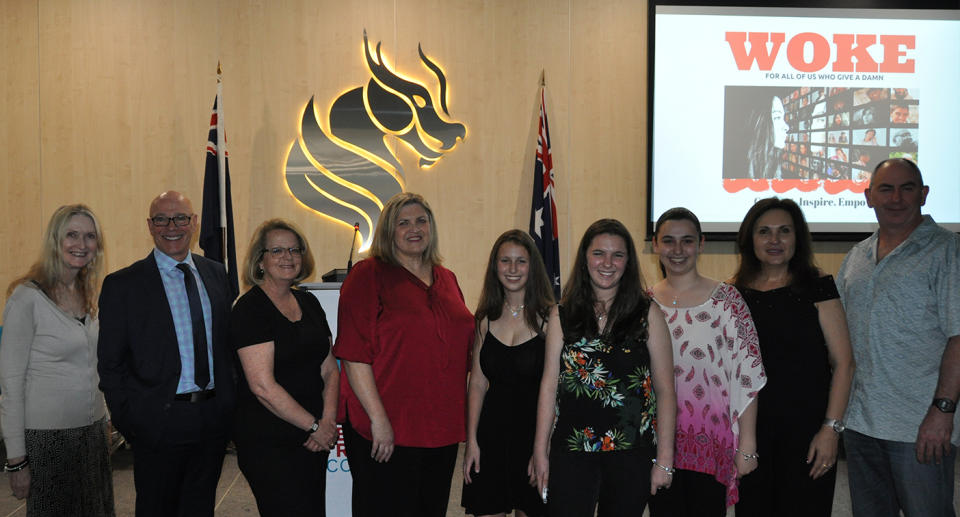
(753, 456)
(668, 470)
(7, 467)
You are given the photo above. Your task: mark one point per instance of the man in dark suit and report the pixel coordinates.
(166, 367)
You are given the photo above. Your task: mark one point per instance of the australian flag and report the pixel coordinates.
(216, 219)
(543, 210)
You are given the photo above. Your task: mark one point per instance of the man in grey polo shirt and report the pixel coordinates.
(901, 292)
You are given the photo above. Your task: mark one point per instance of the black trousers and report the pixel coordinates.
(781, 485)
(178, 477)
(614, 483)
(691, 494)
(287, 480)
(415, 482)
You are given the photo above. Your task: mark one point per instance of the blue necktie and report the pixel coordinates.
(201, 367)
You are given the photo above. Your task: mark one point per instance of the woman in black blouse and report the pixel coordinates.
(808, 360)
(288, 405)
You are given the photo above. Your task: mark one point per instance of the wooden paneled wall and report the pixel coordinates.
(107, 102)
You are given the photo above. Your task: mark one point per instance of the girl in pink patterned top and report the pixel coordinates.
(717, 370)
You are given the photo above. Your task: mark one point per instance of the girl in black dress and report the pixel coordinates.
(287, 403)
(809, 364)
(505, 380)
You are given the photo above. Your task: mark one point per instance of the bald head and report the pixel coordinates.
(168, 197)
(896, 194)
(172, 238)
(906, 164)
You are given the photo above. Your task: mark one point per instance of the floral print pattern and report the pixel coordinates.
(609, 389)
(587, 377)
(587, 441)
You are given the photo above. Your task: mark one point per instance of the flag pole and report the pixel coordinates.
(221, 166)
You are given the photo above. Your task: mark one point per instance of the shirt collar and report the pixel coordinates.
(922, 230)
(167, 263)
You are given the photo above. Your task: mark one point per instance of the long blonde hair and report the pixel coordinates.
(47, 271)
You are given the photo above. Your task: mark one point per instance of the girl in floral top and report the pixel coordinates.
(606, 385)
(717, 371)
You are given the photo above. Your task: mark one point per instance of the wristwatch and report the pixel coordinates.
(837, 425)
(945, 405)
(314, 427)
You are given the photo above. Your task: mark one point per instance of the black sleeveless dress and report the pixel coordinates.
(508, 421)
(792, 406)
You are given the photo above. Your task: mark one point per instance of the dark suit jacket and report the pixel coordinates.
(138, 356)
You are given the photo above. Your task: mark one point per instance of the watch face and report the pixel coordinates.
(839, 427)
(945, 405)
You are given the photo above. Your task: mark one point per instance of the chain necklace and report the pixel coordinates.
(601, 313)
(515, 312)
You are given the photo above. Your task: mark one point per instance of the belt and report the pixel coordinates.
(196, 396)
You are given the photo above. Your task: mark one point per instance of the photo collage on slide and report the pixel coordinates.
(843, 133)
(817, 133)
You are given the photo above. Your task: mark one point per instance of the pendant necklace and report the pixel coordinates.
(601, 313)
(676, 297)
(515, 312)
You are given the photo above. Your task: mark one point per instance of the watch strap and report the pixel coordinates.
(945, 405)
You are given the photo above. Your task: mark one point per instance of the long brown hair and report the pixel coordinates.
(538, 293)
(627, 317)
(47, 271)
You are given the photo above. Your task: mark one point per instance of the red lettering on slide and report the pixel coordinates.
(846, 51)
(758, 48)
(821, 52)
(892, 53)
(781, 186)
(849, 46)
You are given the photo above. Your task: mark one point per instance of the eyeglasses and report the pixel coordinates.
(178, 220)
(278, 252)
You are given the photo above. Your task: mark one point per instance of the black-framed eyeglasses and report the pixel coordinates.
(178, 220)
(279, 252)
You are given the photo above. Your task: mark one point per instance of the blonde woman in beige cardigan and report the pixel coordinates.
(53, 415)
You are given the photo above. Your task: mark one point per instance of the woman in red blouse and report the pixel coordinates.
(404, 341)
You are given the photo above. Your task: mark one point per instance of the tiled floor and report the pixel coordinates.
(234, 497)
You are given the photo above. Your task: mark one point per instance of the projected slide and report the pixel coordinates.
(802, 103)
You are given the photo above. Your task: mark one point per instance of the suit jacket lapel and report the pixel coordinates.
(160, 306)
